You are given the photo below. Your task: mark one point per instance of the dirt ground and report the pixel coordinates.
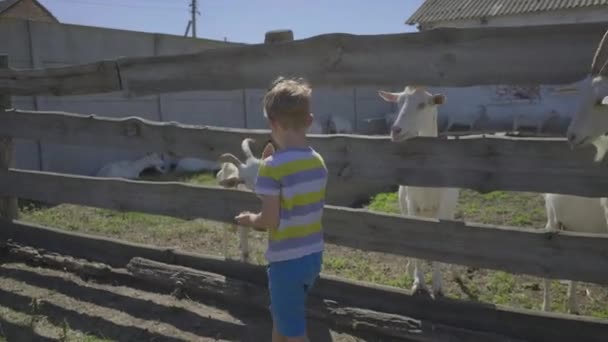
(39, 304)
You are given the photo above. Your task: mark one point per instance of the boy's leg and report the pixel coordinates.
(288, 284)
(276, 336)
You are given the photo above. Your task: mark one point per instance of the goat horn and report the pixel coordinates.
(604, 69)
(229, 158)
(601, 56)
(246, 147)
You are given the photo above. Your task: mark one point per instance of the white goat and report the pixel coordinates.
(417, 117)
(190, 164)
(131, 169)
(589, 126)
(339, 125)
(234, 173)
(247, 171)
(572, 213)
(590, 123)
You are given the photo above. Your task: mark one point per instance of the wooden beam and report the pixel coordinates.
(201, 285)
(573, 256)
(92, 78)
(8, 205)
(522, 324)
(480, 163)
(378, 324)
(552, 54)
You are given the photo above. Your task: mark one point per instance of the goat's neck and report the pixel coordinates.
(429, 126)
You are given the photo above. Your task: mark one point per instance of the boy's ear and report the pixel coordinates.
(309, 119)
(268, 150)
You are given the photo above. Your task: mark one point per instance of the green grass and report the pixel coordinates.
(500, 208)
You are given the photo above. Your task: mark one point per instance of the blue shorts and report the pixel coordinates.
(289, 282)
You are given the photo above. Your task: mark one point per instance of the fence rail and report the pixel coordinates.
(553, 255)
(480, 163)
(443, 57)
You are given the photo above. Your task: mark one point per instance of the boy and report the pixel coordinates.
(291, 183)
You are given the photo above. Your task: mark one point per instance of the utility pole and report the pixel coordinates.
(194, 12)
(188, 28)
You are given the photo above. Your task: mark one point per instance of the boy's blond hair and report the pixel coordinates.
(288, 102)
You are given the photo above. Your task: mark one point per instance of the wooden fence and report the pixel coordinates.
(480, 163)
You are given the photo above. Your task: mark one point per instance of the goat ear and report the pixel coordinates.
(268, 151)
(388, 96)
(438, 99)
(604, 101)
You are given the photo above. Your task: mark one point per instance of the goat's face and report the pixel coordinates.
(228, 175)
(416, 114)
(590, 124)
(591, 119)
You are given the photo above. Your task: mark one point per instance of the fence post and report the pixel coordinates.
(8, 205)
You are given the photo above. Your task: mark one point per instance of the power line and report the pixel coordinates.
(146, 7)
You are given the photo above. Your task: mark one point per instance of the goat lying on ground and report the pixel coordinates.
(189, 164)
(131, 169)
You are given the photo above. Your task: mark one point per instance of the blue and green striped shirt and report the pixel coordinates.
(298, 176)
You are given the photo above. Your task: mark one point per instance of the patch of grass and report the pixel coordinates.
(360, 268)
(500, 288)
(385, 202)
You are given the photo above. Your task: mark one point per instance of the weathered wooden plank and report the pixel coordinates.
(553, 54)
(523, 324)
(8, 205)
(479, 163)
(202, 285)
(378, 324)
(535, 252)
(98, 77)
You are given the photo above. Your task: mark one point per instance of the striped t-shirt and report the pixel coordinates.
(298, 176)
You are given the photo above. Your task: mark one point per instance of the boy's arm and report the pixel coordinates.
(268, 189)
(268, 217)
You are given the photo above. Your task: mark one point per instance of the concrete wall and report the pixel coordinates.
(35, 44)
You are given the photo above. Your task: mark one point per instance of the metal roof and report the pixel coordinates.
(446, 10)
